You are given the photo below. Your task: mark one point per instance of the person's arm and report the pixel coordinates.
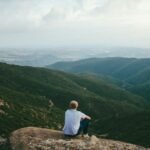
(87, 117)
(84, 116)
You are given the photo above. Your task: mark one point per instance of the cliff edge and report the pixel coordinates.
(32, 138)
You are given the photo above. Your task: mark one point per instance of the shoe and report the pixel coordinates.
(86, 136)
(79, 136)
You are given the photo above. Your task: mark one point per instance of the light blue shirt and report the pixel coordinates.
(72, 121)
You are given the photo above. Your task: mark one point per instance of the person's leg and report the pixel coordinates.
(69, 136)
(83, 126)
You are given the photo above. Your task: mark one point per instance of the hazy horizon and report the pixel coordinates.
(45, 56)
(57, 23)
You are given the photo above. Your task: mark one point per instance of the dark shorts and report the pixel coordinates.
(83, 128)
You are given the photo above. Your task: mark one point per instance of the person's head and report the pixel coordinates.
(73, 104)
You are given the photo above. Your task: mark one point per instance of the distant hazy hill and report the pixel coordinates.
(121, 68)
(41, 57)
(38, 97)
(130, 71)
(27, 57)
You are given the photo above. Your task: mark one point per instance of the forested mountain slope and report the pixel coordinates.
(121, 68)
(130, 73)
(38, 97)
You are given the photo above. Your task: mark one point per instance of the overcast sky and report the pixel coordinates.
(46, 23)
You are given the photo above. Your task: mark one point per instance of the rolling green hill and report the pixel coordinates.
(142, 90)
(38, 97)
(121, 68)
(129, 72)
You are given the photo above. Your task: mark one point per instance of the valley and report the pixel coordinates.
(39, 97)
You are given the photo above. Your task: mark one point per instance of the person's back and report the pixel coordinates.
(73, 120)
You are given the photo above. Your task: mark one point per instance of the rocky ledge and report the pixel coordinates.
(32, 138)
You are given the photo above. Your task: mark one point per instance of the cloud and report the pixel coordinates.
(20, 14)
(55, 15)
(34, 13)
(98, 21)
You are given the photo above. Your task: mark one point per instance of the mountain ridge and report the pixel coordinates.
(128, 71)
(30, 91)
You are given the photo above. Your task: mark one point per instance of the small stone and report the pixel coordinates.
(94, 139)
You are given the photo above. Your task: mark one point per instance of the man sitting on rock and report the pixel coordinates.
(75, 121)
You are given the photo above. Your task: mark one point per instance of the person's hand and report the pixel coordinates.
(88, 117)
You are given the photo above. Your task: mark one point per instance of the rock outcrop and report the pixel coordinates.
(32, 138)
(3, 144)
(3, 104)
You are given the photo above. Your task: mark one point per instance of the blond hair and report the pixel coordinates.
(73, 104)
